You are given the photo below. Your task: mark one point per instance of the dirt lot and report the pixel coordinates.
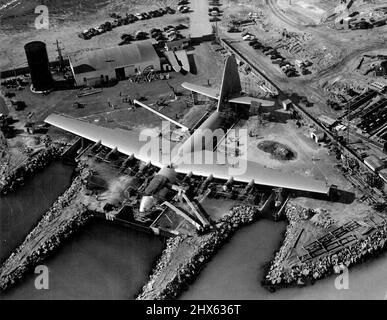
(334, 53)
(96, 107)
(68, 20)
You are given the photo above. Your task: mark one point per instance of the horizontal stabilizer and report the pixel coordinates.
(206, 91)
(248, 100)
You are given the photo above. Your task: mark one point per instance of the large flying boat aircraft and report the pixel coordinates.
(231, 105)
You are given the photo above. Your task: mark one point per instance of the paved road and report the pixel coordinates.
(200, 24)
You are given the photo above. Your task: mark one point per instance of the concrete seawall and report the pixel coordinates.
(185, 256)
(308, 272)
(65, 216)
(42, 159)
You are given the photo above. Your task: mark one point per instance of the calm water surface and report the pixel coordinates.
(104, 261)
(236, 271)
(101, 261)
(20, 211)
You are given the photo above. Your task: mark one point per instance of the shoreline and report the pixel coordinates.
(307, 273)
(39, 161)
(63, 219)
(184, 257)
(163, 286)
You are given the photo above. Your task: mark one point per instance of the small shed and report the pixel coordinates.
(317, 135)
(327, 121)
(287, 104)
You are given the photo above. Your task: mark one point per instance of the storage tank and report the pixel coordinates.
(37, 59)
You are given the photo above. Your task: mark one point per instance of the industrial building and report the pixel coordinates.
(116, 63)
(317, 135)
(374, 163)
(381, 69)
(378, 86)
(327, 121)
(383, 175)
(287, 104)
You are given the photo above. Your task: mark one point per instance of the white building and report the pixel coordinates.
(374, 163)
(119, 62)
(287, 104)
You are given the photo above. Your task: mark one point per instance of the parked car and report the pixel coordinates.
(233, 30)
(213, 19)
(248, 37)
(127, 36)
(181, 27)
(141, 35)
(257, 46)
(170, 10)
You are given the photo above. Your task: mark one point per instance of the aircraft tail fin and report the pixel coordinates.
(231, 82)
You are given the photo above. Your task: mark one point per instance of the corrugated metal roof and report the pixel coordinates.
(115, 57)
(373, 162)
(383, 174)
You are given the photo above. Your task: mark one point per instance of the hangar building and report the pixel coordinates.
(119, 62)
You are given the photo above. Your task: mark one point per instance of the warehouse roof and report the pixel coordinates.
(373, 162)
(114, 57)
(383, 174)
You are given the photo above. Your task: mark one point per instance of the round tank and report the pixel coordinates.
(37, 59)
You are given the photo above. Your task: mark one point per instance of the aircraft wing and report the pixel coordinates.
(248, 100)
(126, 142)
(206, 91)
(254, 171)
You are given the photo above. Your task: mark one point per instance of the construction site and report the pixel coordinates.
(298, 77)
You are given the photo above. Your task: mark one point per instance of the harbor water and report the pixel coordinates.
(21, 210)
(105, 261)
(237, 269)
(100, 261)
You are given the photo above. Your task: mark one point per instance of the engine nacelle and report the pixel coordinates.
(207, 181)
(249, 186)
(187, 177)
(228, 185)
(145, 166)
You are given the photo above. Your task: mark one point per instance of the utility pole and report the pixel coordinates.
(348, 124)
(60, 56)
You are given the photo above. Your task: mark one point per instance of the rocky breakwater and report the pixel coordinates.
(282, 275)
(35, 162)
(185, 256)
(65, 216)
